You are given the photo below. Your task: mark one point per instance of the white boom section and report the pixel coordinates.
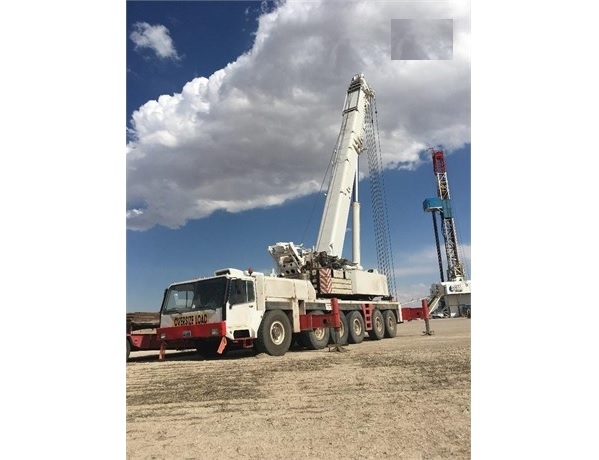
(329, 273)
(334, 221)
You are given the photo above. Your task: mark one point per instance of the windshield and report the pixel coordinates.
(208, 294)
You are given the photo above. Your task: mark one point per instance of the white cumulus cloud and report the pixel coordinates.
(154, 37)
(261, 130)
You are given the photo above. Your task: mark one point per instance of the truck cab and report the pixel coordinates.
(206, 310)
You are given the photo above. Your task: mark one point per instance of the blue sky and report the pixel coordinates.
(233, 109)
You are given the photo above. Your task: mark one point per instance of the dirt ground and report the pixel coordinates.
(402, 398)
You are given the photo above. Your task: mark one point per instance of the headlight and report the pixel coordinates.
(214, 331)
(162, 336)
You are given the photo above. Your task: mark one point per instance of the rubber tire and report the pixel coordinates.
(274, 334)
(342, 338)
(316, 339)
(390, 324)
(378, 325)
(128, 349)
(356, 329)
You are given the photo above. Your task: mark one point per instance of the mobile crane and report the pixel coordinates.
(315, 296)
(451, 297)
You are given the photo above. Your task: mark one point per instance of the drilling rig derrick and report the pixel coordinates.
(450, 297)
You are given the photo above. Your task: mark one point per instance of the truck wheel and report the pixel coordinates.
(128, 349)
(356, 329)
(274, 333)
(378, 325)
(340, 338)
(390, 324)
(316, 339)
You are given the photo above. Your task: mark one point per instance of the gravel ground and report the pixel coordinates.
(403, 398)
